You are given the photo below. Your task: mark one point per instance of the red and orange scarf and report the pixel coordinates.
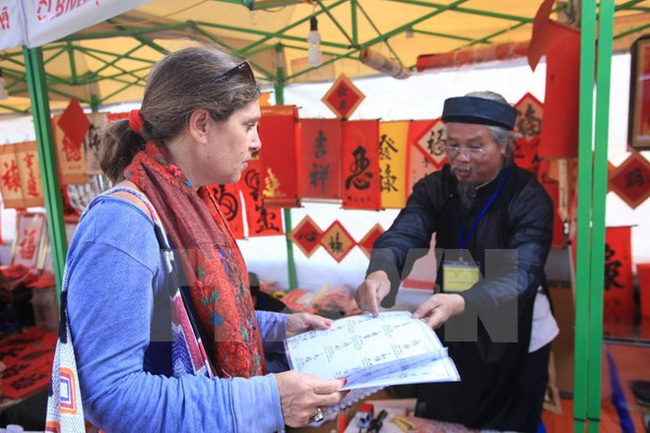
(213, 266)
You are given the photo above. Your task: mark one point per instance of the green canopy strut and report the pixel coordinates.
(279, 100)
(36, 81)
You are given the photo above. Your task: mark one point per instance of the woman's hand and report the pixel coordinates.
(302, 394)
(436, 310)
(302, 322)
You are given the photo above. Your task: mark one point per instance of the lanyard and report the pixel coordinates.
(463, 240)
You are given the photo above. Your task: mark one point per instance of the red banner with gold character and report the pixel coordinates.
(360, 173)
(552, 187)
(418, 163)
(319, 153)
(69, 130)
(619, 291)
(10, 187)
(229, 201)
(30, 174)
(559, 136)
(260, 220)
(278, 132)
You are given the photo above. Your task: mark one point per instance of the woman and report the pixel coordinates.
(197, 126)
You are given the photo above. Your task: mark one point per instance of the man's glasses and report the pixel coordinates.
(243, 69)
(471, 152)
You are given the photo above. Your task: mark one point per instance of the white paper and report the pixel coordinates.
(371, 353)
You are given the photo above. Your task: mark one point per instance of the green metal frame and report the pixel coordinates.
(592, 136)
(592, 189)
(47, 158)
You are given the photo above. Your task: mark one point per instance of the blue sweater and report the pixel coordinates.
(118, 307)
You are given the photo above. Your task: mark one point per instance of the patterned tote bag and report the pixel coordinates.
(64, 406)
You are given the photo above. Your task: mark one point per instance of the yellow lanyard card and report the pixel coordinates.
(459, 276)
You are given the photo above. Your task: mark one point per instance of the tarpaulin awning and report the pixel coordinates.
(108, 61)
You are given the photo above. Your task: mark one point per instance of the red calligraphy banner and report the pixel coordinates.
(360, 173)
(10, 187)
(525, 154)
(631, 180)
(319, 153)
(98, 121)
(619, 291)
(30, 174)
(229, 201)
(559, 136)
(278, 131)
(28, 242)
(552, 187)
(418, 162)
(69, 130)
(343, 97)
(643, 271)
(260, 220)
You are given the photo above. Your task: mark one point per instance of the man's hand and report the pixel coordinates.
(371, 292)
(302, 394)
(436, 310)
(302, 322)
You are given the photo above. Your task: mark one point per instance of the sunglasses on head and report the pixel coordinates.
(243, 69)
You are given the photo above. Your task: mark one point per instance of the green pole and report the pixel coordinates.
(353, 18)
(585, 166)
(279, 100)
(603, 79)
(35, 75)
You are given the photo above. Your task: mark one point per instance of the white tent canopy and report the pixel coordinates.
(37, 22)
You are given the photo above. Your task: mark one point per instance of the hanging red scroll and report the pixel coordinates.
(619, 292)
(419, 163)
(10, 187)
(278, 131)
(643, 271)
(228, 199)
(559, 137)
(30, 174)
(530, 112)
(393, 140)
(360, 171)
(98, 121)
(29, 240)
(552, 187)
(260, 220)
(631, 180)
(69, 130)
(319, 153)
(525, 154)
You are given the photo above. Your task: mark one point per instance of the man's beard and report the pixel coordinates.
(466, 190)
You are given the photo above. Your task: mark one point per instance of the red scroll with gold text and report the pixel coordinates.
(319, 153)
(360, 172)
(278, 132)
(261, 221)
(229, 201)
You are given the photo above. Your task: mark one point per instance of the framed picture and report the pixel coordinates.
(639, 117)
(29, 240)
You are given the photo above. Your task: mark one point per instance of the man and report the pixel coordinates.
(493, 223)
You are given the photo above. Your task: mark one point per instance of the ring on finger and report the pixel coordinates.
(319, 416)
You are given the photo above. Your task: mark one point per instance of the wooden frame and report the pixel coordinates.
(638, 136)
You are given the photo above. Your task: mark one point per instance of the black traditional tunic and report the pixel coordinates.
(494, 365)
